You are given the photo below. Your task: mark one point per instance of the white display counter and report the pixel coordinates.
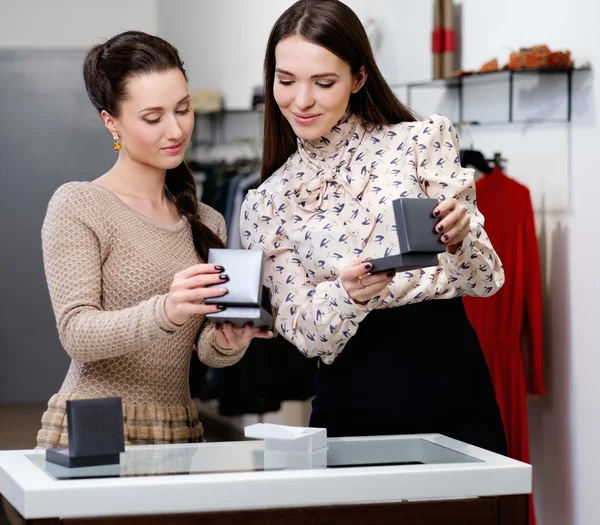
(359, 477)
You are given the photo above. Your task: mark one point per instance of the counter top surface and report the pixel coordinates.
(242, 475)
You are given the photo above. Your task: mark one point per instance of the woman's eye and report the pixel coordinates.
(285, 82)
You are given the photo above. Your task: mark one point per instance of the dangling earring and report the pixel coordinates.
(117, 144)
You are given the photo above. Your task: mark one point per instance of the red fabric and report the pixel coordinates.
(449, 39)
(516, 310)
(436, 40)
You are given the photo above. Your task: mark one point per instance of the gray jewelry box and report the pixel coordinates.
(419, 243)
(244, 300)
(96, 434)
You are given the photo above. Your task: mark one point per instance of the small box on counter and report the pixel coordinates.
(96, 434)
(285, 438)
(419, 243)
(244, 301)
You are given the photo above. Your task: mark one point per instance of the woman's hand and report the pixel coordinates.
(189, 289)
(454, 225)
(228, 337)
(359, 284)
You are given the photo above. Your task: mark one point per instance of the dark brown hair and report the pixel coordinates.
(334, 26)
(106, 70)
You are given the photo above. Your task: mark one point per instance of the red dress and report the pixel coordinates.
(516, 310)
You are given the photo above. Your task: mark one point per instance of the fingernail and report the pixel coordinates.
(219, 269)
(436, 212)
(390, 274)
(224, 277)
(368, 266)
(440, 228)
(221, 307)
(445, 238)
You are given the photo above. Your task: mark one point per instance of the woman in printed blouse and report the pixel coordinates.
(397, 353)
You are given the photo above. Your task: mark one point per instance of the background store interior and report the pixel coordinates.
(49, 134)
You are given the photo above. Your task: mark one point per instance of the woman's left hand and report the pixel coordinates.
(454, 224)
(230, 338)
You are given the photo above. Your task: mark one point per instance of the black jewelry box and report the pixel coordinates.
(244, 300)
(96, 435)
(419, 243)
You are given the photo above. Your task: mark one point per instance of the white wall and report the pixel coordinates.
(71, 23)
(223, 47)
(223, 43)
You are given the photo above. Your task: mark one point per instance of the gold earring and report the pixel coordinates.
(117, 144)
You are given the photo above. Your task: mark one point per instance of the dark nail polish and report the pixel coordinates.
(390, 274)
(445, 237)
(436, 212)
(224, 277)
(368, 266)
(221, 307)
(440, 228)
(219, 269)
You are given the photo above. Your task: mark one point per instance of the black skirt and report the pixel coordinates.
(412, 369)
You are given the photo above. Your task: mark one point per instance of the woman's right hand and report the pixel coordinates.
(189, 289)
(361, 285)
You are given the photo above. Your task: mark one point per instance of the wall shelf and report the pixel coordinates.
(504, 75)
(216, 121)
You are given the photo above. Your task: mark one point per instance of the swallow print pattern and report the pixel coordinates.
(331, 202)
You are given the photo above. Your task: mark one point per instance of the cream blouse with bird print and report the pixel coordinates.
(331, 202)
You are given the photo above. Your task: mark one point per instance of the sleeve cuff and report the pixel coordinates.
(225, 351)
(451, 261)
(346, 307)
(161, 316)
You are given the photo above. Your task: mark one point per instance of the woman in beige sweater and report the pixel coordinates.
(124, 255)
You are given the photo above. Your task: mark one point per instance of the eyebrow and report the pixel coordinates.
(320, 75)
(158, 108)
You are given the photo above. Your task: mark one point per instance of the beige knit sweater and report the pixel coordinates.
(109, 269)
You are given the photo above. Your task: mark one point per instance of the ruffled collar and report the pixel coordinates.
(327, 161)
(328, 147)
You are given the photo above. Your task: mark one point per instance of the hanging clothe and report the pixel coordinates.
(501, 320)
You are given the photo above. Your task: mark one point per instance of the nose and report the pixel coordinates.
(174, 131)
(304, 97)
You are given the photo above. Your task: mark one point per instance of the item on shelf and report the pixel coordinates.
(536, 57)
(206, 100)
(436, 39)
(449, 39)
(539, 57)
(443, 39)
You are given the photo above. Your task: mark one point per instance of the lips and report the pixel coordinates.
(305, 119)
(175, 148)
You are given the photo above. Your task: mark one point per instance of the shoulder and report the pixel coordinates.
(439, 128)
(418, 134)
(75, 208)
(211, 217)
(272, 193)
(72, 192)
(74, 199)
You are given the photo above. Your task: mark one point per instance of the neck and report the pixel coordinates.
(334, 141)
(139, 180)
